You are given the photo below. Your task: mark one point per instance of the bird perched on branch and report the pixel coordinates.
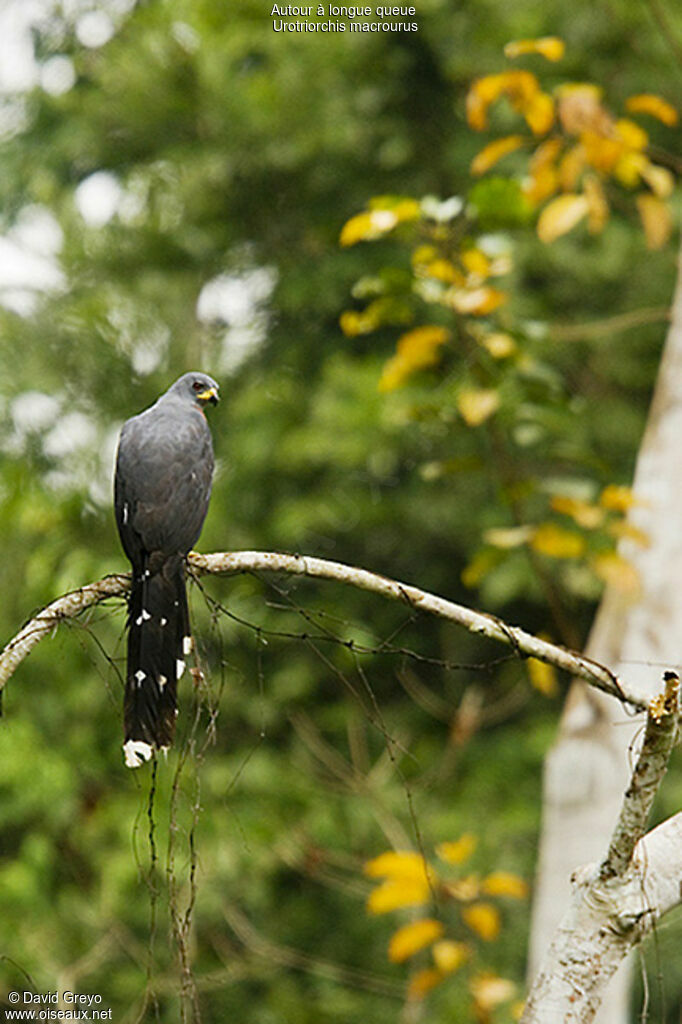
(164, 470)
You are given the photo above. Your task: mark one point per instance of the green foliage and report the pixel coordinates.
(499, 203)
(236, 149)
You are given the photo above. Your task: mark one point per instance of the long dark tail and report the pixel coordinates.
(159, 640)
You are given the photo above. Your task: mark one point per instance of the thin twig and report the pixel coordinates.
(609, 325)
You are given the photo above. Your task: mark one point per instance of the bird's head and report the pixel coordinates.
(198, 388)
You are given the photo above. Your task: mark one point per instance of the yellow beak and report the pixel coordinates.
(209, 395)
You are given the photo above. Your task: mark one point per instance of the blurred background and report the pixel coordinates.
(174, 178)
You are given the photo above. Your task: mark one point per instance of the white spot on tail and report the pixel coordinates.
(179, 667)
(164, 621)
(136, 752)
(162, 682)
(125, 512)
(143, 617)
(140, 675)
(187, 645)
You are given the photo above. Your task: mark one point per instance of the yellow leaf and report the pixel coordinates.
(550, 47)
(421, 342)
(580, 108)
(408, 209)
(601, 151)
(423, 255)
(484, 919)
(444, 270)
(368, 226)
(597, 207)
(457, 850)
(518, 86)
(539, 113)
(475, 262)
(508, 537)
(522, 90)
(631, 134)
(398, 864)
(555, 541)
(494, 152)
(504, 883)
(412, 937)
(482, 93)
(560, 216)
(477, 109)
(543, 677)
(422, 982)
(656, 220)
(586, 91)
(395, 894)
(659, 179)
(630, 167)
(618, 498)
(415, 350)
(355, 229)
(615, 570)
(353, 323)
(463, 889)
(350, 321)
(656, 106)
(541, 184)
(489, 991)
(626, 531)
(449, 955)
(546, 153)
(544, 176)
(477, 301)
(571, 167)
(582, 512)
(499, 345)
(403, 209)
(476, 405)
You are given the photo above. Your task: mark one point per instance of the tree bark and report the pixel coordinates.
(616, 903)
(587, 770)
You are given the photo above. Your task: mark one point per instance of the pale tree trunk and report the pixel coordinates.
(588, 769)
(617, 903)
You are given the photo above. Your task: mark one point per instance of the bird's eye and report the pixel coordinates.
(198, 386)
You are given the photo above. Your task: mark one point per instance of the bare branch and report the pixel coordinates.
(616, 904)
(475, 622)
(66, 607)
(652, 764)
(228, 563)
(611, 325)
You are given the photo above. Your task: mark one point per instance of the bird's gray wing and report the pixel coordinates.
(163, 480)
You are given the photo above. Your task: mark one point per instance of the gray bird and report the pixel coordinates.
(164, 470)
